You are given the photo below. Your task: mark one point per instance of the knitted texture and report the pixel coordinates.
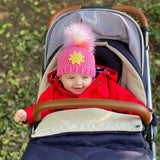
(78, 53)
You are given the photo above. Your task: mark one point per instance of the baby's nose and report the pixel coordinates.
(78, 81)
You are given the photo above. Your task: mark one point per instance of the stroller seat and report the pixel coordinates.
(88, 134)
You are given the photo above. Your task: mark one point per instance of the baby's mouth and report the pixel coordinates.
(78, 90)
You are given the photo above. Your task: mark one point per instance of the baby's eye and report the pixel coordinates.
(85, 77)
(70, 77)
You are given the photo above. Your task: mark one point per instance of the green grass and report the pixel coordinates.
(22, 39)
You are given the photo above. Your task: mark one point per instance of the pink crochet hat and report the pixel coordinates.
(78, 53)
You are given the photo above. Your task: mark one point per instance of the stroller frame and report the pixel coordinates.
(150, 132)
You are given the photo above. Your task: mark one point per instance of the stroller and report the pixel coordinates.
(93, 133)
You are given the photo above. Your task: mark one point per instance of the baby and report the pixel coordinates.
(76, 75)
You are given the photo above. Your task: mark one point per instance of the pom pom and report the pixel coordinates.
(79, 35)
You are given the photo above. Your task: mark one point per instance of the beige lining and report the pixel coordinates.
(84, 120)
(44, 84)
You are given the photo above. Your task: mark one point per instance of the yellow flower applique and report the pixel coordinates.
(76, 58)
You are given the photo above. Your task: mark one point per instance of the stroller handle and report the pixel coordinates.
(92, 103)
(123, 8)
(134, 11)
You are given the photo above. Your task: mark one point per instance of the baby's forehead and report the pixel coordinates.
(74, 75)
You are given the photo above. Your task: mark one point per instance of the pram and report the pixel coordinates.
(93, 133)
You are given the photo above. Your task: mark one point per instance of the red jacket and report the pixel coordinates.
(104, 86)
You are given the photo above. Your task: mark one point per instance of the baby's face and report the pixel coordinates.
(76, 83)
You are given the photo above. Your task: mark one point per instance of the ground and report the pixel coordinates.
(22, 37)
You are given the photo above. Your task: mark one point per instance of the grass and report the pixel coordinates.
(21, 55)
